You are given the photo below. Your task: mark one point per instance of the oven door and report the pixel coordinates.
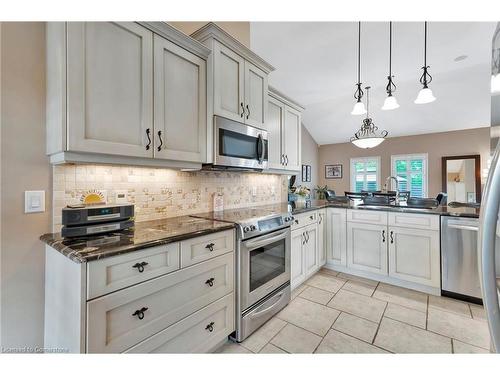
(265, 266)
(239, 145)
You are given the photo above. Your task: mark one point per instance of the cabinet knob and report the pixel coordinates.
(210, 282)
(140, 313)
(210, 246)
(140, 266)
(210, 327)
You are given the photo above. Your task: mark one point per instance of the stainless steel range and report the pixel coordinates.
(262, 263)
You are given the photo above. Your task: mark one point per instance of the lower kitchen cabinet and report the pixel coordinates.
(336, 241)
(321, 237)
(311, 249)
(367, 247)
(414, 255)
(304, 254)
(297, 266)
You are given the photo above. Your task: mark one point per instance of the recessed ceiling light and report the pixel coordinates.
(460, 58)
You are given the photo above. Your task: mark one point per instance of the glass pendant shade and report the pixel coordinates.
(495, 83)
(425, 96)
(368, 142)
(390, 103)
(358, 109)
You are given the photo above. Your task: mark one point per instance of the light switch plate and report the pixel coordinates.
(121, 196)
(34, 201)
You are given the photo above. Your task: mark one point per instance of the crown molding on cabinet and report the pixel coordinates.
(211, 30)
(286, 99)
(178, 37)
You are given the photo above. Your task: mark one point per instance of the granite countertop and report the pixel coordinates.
(299, 207)
(143, 235)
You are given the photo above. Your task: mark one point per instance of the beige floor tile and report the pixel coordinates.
(359, 305)
(357, 327)
(316, 295)
(233, 348)
(263, 335)
(406, 315)
(470, 331)
(298, 290)
(326, 282)
(271, 349)
(338, 342)
(460, 347)
(359, 287)
(449, 305)
(399, 337)
(346, 276)
(328, 271)
(309, 315)
(401, 296)
(296, 340)
(477, 311)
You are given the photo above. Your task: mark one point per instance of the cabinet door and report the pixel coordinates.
(291, 140)
(229, 83)
(110, 88)
(336, 231)
(298, 274)
(321, 237)
(311, 249)
(255, 96)
(274, 124)
(367, 247)
(414, 255)
(180, 103)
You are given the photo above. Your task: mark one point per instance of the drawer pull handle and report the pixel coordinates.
(296, 221)
(210, 327)
(311, 217)
(140, 313)
(210, 246)
(140, 266)
(210, 282)
(392, 236)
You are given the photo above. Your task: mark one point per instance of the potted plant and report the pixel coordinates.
(321, 191)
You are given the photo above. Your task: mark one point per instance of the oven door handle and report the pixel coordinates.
(266, 307)
(265, 240)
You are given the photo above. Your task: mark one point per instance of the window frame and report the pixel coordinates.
(364, 159)
(425, 170)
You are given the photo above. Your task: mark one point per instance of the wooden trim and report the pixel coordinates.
(477, 172)
(285, 99)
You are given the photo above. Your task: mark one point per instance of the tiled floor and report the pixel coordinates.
(338, 313)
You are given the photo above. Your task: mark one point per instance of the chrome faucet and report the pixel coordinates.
(397, 186)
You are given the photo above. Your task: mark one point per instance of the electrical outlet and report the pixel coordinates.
(121, 196)
(273, 190)
(254, 191)
(34, 201)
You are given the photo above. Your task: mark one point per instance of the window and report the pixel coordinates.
(365, 174)
(411, 171)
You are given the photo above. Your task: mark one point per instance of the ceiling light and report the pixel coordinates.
(359, 107)
(390, 102)
(366, 136)
(425, 95)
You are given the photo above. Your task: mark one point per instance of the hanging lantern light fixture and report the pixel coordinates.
(425, 95)
(359, 107)
(390, 102)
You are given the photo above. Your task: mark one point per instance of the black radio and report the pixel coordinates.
(91, 220)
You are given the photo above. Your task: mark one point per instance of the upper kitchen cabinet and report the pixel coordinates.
(126, 93)
(284, 123)
(236, 80)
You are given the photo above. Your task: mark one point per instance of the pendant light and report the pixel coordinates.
(390, 102)
(366, 136)
(359, 107)
(425, 95)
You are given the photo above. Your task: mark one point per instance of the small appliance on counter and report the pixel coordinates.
(79, 221)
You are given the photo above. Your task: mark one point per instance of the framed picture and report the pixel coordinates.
(471, 197)
(308, 178)
(333, 171)
(304, 173)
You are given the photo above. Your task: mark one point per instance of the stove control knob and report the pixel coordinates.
(253, 227)
(246, 229)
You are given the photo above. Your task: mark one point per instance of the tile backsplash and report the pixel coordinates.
(160, 193)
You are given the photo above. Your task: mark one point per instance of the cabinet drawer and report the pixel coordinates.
(367, 216)
(306, 218)
(198, 249)
(193, 334)
(110, 274)
(420, 221)
(113, 321)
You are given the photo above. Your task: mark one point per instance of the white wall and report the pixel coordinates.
(310, 156)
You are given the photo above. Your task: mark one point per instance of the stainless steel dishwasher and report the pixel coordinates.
(459, 262)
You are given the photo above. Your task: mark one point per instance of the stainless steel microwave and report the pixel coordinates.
(237, 145)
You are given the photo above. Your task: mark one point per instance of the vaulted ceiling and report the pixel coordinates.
(316, 64)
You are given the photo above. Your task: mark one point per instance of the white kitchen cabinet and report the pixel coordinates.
(414, 255)
(311, 254)
(180, 103)
(284, 131)
(110, 88)
(297, 266)
(336, 240)
(367, 247)
(321, 237)
(256, 87)
(102, 105)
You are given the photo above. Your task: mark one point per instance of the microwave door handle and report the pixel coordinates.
(260, 148)
(486, 243)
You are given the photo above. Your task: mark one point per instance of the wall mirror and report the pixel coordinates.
(462, 178)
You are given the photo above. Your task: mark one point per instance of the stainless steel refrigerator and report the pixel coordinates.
(489, 224)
